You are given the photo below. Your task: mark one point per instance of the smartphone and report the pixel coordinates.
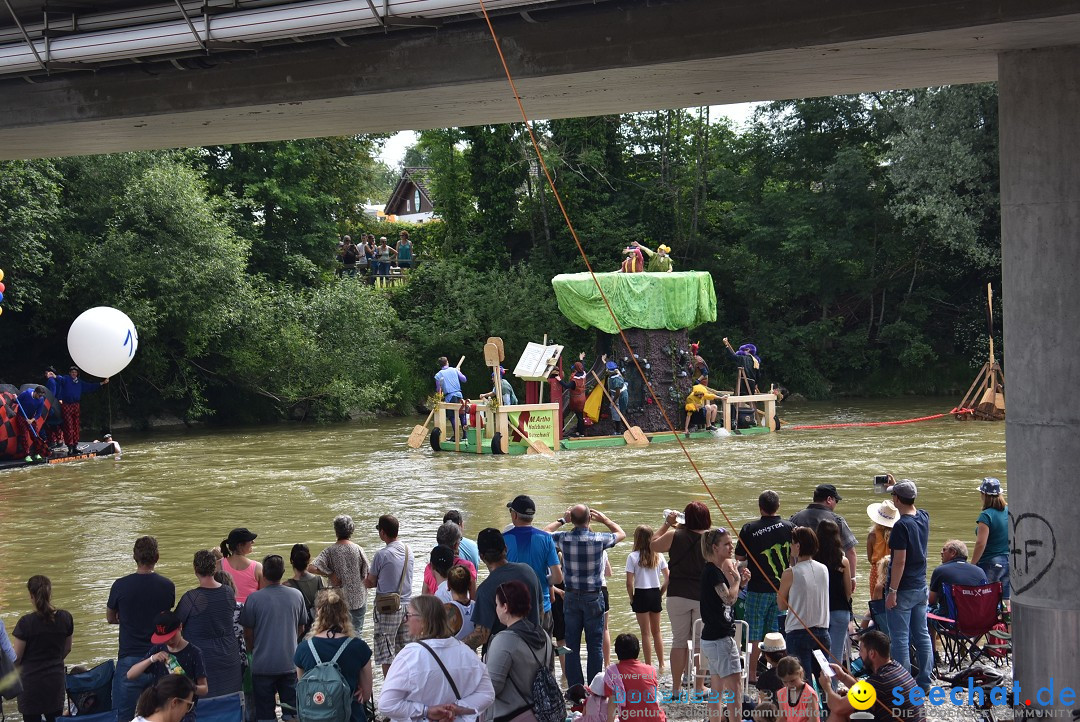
(824, 663)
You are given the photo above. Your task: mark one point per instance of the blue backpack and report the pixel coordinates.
(322, 694)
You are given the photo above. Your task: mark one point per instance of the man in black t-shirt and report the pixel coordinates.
(134, 603)
(492, 548)
(769, 541)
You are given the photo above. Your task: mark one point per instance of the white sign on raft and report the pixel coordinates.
(536, 361)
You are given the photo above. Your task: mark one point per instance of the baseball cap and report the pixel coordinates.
(905, 489)
(166, 625)
(442, 556)
(824, 491)
(611, 365)
(523, 505)
(240, 535)
(489, 541)
(990, 486)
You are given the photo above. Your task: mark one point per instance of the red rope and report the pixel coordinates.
(958, 412)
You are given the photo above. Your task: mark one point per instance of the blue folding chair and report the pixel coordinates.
(91, 691)
(225, 708)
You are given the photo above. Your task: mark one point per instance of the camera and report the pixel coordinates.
(881, 483)
(680, 518)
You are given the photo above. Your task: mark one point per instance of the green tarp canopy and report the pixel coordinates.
(640, 300)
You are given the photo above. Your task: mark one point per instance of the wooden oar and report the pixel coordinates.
(538, 446)
(633, 435)
(420, 431)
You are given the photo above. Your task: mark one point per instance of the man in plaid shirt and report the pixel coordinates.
(583, 571)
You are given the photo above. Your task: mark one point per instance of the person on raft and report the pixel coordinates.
(54, 425)
(659, 260)
(448, 383)
(747, 358)
(70, 397)
(620, 395)
(576, 387)
(699, 411)
(506, 391)
(31, 403)
(634, 261)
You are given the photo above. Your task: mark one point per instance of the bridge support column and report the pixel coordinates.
(1040, 228)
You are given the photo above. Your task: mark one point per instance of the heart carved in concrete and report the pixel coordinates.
(1034, 549)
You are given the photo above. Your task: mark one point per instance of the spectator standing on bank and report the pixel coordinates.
(583, 569)
(804, 595)
(467, 549)
(824, 507)
(485, 618)
(246, 573)
(42, 640)
(682, 543)
(304, 581)
(346, 564)
(831, 554)
(391, 573)
(646, 582)
(134, 603)
(884, 515)
(906, 593)
(273, 618)
(768, 541)
(535, 547)
(992, 535)
(720, 584)
(207, 615)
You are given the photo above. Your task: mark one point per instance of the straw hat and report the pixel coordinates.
(884, 513)
(774, 642)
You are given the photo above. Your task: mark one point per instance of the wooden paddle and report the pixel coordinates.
(633, 435)
(537, 446)
(420, 431)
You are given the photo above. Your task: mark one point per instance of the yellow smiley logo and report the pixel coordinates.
(862, 695)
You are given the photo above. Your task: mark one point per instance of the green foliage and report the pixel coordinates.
(29, 207)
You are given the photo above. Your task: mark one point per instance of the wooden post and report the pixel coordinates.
(440, 421)
(770, 414)
(727, 412)
(457, 429)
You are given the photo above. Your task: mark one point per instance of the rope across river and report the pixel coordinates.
(954, 412)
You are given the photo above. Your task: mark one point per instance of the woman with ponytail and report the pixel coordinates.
(166, 700)
(246, 573)
(42, 639)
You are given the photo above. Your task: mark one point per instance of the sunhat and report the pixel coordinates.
(884, 513)
(774, 642)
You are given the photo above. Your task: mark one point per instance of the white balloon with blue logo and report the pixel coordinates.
(102, 341)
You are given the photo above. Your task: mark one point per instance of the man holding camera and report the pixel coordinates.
(583, 570)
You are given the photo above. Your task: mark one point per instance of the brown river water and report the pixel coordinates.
(76, 522)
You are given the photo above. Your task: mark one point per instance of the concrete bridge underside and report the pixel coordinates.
(583, 59)
(629, 55)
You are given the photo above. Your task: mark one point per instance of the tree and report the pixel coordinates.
(497, 173)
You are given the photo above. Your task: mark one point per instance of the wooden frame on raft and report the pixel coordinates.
(497, 421)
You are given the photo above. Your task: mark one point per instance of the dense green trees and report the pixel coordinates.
(849, 237)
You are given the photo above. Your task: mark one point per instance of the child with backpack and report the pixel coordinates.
(337, 677)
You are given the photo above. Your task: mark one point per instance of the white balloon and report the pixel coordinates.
(102, 341)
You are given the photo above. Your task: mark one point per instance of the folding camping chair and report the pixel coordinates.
(91, 691)
(699, 664)
(975, 611)
(225, 708)
(110, 716)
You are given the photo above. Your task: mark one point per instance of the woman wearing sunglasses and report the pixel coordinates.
(167, 700)
(720, 584)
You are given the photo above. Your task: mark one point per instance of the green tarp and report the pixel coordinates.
(639, 300)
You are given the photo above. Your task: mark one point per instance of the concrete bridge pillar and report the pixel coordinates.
(1040, 228)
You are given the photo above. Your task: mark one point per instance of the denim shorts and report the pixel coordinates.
(723, 656)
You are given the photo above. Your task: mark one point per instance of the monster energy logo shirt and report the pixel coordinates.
(769, 540)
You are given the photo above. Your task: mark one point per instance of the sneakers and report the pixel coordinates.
(72, 450)
(28, 459)
(37, 457)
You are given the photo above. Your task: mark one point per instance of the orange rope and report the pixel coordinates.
(871, 423)
(618, 326)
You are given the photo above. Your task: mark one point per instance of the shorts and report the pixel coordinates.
(997, 570)
(723, 656)
(646, 600)
(682, 613)
(760, 612)
(607, 599)
(391, 634)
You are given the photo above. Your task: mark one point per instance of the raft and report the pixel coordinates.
(87, 450)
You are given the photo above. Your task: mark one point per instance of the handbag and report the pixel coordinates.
(390, 602)
(10, 682)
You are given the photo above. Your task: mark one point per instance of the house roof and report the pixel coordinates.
(420, 177)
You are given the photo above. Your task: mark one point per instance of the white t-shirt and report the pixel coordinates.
(646, 578)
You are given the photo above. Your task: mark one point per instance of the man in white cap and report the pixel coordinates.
(905, 589)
